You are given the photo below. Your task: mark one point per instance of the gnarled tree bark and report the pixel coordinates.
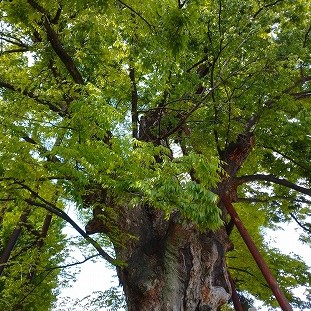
(170, 264)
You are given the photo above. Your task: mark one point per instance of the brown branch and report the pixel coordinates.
(253, 120)
(134, 102)
(31, 95)
(62, 53)
(52, 208)
(241, 270)
(308, 229)
(43, 151)
(287, 157)
(306, 37)
(136, 13)
(56, 44)
(57, 16)
(13, 40)
(12, 240)
(266, 7)
(301, 95)
(180, 123)
(21, 50)
(55, 210)
(201, 61)
(39, 245)
(273, 179)
(38, 7)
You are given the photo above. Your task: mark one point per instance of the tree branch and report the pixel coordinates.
(253, 120)
(43, 151)
(56, 44)
(55, 210)
(301, 95)
(181, 4)
(134, 103)
(241, 270)
(271, 178)
(306, 37)
(135, 12)
(73, 264)
(31, 95)
(21, 50)
(287, 157)
(52, 208)
(308, 229)
(266, 7)
(62, 53)
(15, 41)
(272, 199)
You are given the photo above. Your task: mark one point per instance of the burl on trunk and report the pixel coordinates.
(170, 265)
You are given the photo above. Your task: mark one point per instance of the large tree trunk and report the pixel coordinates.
(172, 266)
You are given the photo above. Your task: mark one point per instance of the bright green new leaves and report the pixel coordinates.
(77, 76)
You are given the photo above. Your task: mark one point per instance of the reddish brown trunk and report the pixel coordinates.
(170, 266)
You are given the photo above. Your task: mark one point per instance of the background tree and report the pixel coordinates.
(144, 114)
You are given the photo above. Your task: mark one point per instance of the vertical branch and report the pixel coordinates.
(262, 265)
(134, 102)
(235, 297)
(40, 242)
(306, 37)
(13, 239)
(219, 17)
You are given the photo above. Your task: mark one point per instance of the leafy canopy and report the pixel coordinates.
(79, 78)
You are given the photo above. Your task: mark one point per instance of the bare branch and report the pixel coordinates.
(15, 41)
(135, 12)
(73, 264)
(272, 199)
(304, 227)
(241, 270)
(288, 158)
(266, 7)
(273, 179)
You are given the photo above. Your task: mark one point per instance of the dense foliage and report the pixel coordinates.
(139, 101)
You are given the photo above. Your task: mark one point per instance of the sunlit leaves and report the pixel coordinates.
(215, 65)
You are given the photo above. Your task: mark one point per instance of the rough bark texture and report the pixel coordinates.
(170, 265)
